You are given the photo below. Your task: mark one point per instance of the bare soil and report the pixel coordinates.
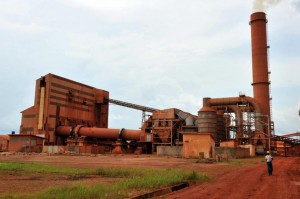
(251, 182)
(228, 180)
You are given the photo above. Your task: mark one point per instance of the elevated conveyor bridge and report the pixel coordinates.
(133, 106)
(287, 140)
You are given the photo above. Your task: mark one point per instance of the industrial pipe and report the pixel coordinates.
(210, 102)
(232, 108)
(95, 132)
(232, 101)
(227, 108)
(189, 118)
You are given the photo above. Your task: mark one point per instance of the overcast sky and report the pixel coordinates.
(157, 53)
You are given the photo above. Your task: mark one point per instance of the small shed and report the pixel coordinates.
(26, 143)
(197, 145)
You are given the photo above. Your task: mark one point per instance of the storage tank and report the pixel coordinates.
(207, 119)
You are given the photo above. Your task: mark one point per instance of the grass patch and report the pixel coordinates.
(133, 179)
(38, 167)
(239, 163)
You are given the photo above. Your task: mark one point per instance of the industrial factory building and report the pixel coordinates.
(74, 116)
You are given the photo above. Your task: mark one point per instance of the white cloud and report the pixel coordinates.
(15, 7)
(107, 6)
(22, 28)
(287, 120)
(156, 53)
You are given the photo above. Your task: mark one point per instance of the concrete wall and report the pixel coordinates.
(233, 152)
(88, 149)
(169, 151)
(53, 149)
(250, 147)
(196, 143)
(230, 143)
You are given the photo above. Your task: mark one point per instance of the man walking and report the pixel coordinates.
(269, 159)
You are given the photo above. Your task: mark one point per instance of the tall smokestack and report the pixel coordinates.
(260, 71)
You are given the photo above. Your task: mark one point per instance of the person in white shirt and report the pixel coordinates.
(269, 159)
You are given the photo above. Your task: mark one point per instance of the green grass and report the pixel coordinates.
(29, 167)
(38, 167)
(133, 179)
(239, 163)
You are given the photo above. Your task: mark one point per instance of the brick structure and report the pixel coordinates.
(25, 143)
(4, 142)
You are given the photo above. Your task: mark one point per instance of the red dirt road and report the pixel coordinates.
(251, 182)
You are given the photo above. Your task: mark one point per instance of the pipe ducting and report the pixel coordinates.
(205, 101)
(195, 121)
(189, 118)
(234, 101)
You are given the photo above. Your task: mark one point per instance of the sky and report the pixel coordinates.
(159, 53)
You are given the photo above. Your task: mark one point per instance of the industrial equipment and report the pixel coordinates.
(69, 113)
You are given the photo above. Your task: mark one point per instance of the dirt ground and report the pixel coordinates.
(250, 180)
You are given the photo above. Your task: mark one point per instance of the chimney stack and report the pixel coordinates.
(261, 92)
